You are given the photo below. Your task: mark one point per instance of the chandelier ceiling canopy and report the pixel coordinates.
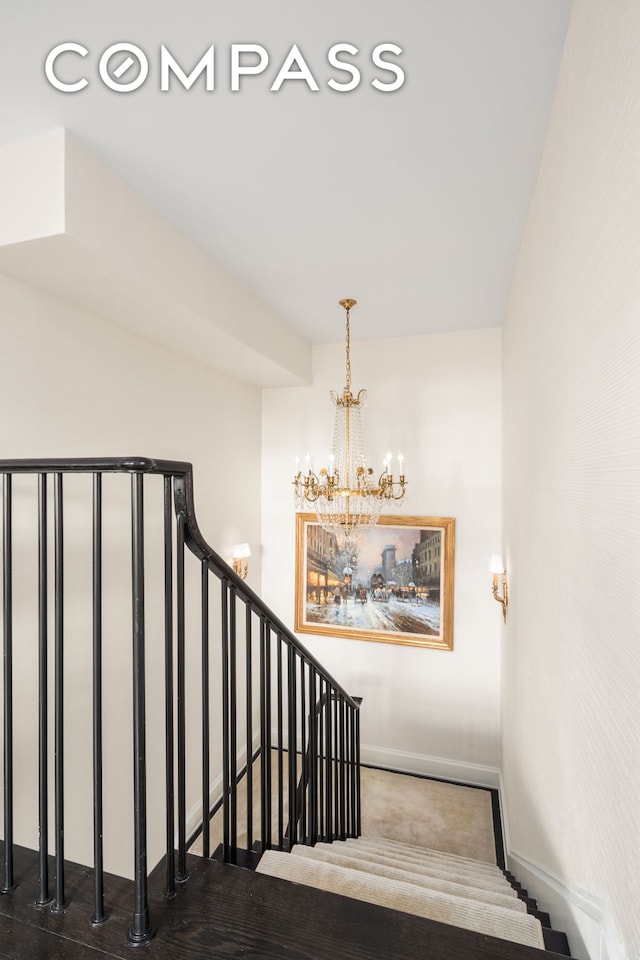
(346, 495)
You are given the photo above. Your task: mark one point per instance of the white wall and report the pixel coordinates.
(436, 398)
(571, 525)
(73, 384)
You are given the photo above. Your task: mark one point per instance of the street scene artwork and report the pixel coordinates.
(392, 583)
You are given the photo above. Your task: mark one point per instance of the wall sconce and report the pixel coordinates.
(241, 554)
(496, 567)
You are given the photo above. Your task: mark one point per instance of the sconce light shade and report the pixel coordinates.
(241, 554)
(495, 564)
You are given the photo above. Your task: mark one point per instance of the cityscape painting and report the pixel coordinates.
(392, 583)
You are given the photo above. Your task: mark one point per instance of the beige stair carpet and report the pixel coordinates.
(326, 854)
(419, 856)
(497, 884)
(410, 850)
(406, 897)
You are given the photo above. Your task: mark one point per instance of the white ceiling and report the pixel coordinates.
(413, 202)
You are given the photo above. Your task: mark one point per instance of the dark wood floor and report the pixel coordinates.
(228, 912)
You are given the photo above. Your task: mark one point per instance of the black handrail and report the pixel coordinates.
(298, 721)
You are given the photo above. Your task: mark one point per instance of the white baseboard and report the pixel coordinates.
(590, 929)
(439, 767)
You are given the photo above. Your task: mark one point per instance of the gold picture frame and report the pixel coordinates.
(393, 585)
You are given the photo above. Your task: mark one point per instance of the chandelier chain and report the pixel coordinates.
(348, 353)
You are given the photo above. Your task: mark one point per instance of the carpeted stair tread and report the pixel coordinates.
(421, 855)
(405, 860)
(378, 840)
(411, 850)
(433, 868)
(326, 854)
(406, 897)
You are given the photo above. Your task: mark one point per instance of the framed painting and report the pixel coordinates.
(392, 584)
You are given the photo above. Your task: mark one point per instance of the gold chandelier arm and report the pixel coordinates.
(389, 488)
(307, 486)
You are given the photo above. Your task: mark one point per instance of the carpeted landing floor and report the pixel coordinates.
(428, 813)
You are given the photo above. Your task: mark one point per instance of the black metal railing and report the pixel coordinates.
(328, 794)
(248, 716)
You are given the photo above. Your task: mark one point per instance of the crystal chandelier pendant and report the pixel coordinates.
(346, 495)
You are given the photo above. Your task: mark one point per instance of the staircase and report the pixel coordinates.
(443, 887)
(104, 570)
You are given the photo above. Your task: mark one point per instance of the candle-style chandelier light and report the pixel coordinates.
(346, 495)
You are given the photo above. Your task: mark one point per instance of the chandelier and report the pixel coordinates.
(346, 495)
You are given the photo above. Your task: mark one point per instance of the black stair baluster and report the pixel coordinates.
(292, 732)
(99, 915)
(279, 746)
(268, 721)
(358, 823)
(313, 758)
(44, 897)
(8, 880)
(347, 769)
(181, 733)
(140, 930)
(304, 775)
(320, 760)
(170, 882)
(352, 771)
(233, 726)
(58, 513)
(265, 734)
(336, 768)
(263, 758)
(224, 607)
(249, 719)
(206, 729)
(343, 772)
(328, 709)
